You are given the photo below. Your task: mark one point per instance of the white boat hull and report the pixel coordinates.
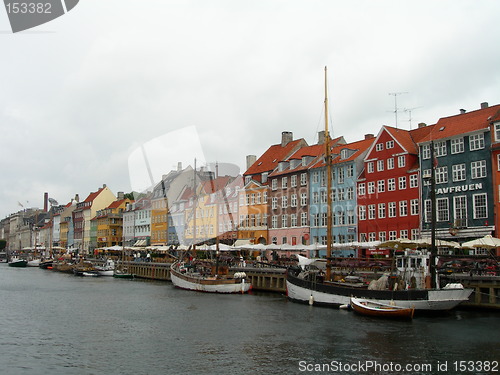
(34, 263)
(105, 272)
(208, 285)
(435, 300)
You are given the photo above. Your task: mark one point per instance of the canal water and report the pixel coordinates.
(54, 323)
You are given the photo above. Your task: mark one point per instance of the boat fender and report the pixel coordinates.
(344, 307)
(311, 300)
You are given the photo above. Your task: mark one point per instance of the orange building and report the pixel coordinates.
(110, 223)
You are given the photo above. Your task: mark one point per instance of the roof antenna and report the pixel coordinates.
(395, 94)
(409, 113)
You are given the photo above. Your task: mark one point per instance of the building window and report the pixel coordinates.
(381, 186)
(371, 167)
(403, 208)
(389, 144)
(371, 187)
(341, 176)
(371, 236)
(303, 219)
(426, 152)
(293, 180)
(441, 175)
(324, 196)
(457, 145)
(350, 170)
(427, 210)
(390, 163)
(274, 222)
(303, 179)
(381, 236)
(458, 172)
(284, 182)
(380, 165)
(442, 209)
(402, 183)
(379, 146)
(413, 181)
(284, 202)
(350, 193)
(401, 161)
(476, 142)
(274, 203)
(362, 189)
(440, 149)
(392, 209)
(293, 200)
(391, 184)
(274, 184)
(460, 209)
(478, 169)
(497, 131)
(362, 212)
(480, 210)
(315, 177)
(284, 221)
(293, 220)
(303, 199)
(381, 210)
(350, 217)
(498, 162)
(371, 211)
(403, 233)
(392, 235)
(414, 207)
(414, 234)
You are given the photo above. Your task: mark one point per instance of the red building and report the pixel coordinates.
(388, 189)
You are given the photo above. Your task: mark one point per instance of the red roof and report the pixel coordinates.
(468, 122)
(117, 203)
(274, 154)
(94, 195)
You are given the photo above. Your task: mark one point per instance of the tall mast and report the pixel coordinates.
(195, 204)
(329, 223)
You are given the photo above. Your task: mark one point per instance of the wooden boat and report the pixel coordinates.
(188, 276)
(46, 264)
(108, 269)
(380, 310)
(34, 262)
(123, 274)
(18, 262)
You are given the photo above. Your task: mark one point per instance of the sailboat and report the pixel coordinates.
(204, 276)
(310, 286)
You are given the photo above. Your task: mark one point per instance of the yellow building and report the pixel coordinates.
(110, 223)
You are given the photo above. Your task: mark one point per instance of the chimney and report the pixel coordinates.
(321, 137)
(77, 198)
(103, 186)
(462, 111)
(45, 201)
(369, 136)
(179, 166)
(121, 195)
(484, 105)
(422, 125)
(251, 159)
(286, 138)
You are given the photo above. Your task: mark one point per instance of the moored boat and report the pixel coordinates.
(190, 277)
(304, 287)
(381, 310)
(46, 264)
(18, 262)
(34, 262)
(108, 269)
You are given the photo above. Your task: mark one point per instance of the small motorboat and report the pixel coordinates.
(18, 262)
(108, 269)
(382, 310)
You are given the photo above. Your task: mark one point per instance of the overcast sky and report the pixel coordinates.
(81, 94)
